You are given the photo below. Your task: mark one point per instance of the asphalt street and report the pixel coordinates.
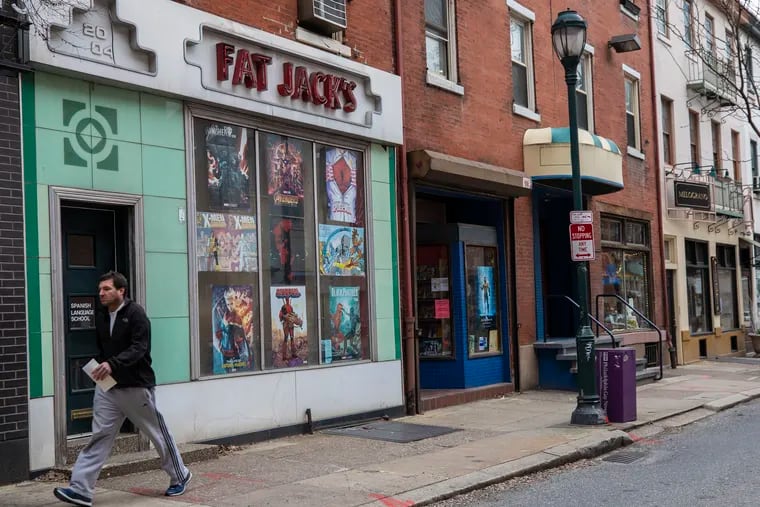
(713, 462)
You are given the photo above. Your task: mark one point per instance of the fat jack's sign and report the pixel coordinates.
(252, 70)
(692, 195)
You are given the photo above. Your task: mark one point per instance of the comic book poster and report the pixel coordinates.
(232, 328)
(290, 337)
(226, 242)
(344, 323)
(341, 250)
(287, 257)
(284, 166)
(227, 167)
(486, 296)
(340, 179)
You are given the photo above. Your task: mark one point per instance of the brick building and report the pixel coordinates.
(14, 413)
(486, 140)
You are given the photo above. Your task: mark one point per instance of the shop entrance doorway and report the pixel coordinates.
(461, 296)
(94, 241)
(558, 274)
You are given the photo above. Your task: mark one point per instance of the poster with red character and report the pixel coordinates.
(285, 171)
(232, 328)
(340, 178)
(290, 336)
(287, 260)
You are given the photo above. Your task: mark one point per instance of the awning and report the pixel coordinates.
(547, 160)
(434, 167)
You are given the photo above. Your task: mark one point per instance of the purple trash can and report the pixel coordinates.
(616, 378)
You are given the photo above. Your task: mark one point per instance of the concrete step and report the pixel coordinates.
(124, 443)
(647, 375)
(142, 461)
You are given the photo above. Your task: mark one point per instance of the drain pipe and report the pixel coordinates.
(660, 230)
(411, 387)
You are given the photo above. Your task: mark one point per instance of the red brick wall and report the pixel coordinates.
(480, 124)
(369, 33)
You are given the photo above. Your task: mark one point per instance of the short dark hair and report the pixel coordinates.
(119, 280)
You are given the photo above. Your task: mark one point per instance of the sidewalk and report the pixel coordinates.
(496, 439)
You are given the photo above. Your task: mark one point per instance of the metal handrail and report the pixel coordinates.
(652, 324)
(596, 321)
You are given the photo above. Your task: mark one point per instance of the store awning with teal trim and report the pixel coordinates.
(547, 160)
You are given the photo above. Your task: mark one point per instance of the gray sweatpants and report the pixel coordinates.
(110, 408)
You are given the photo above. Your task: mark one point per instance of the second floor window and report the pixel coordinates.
(439, 38)
(667, 130)
(716, 154)
(694, 138)
(687, 22)
(709, 35)
(753, 160)
(632, 112)
(584, 95)
(662, 17)
(522, 62)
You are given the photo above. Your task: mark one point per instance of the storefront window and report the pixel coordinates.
(277, 259)
(433, 303)
(626, 272)
(482, 296)
(698, 287)
(746, 270)
(729, 315)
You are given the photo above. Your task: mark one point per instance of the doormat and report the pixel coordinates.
(392, 431)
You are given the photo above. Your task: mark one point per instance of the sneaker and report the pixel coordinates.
(178, 489)
(68, 495)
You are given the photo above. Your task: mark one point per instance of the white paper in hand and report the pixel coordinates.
(105, 384)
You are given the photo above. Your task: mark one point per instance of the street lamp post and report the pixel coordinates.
(569, 40)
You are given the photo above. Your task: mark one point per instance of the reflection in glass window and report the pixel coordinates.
(698, 287)
(482, 295)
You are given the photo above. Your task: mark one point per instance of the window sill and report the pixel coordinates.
(633, 152)
(628, 13)
(322, 42)
(527, 113)
(434, 79)
(664, 39)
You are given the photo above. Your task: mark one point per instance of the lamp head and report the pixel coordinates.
(569, 36)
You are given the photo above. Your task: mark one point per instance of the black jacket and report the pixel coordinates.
(127, 350)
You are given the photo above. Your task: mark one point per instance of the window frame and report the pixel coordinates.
(717, 150)
(736, 156)
(586, 65)
(753, 159)
(703, 268)
(710, 35)
(526, 17)
(452, 74)
(661, 18)
(687, 10)
(694, 139)
(728, 265)
(258, 127)
(634, 78)
(666, 125)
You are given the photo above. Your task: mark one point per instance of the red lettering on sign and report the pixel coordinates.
(286, 87)
(261, 62)
(315, 80)
(243, 69)
(223, 60)
(301, 85)
(348, 96)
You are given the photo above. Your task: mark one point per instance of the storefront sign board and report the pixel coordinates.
(692, 195)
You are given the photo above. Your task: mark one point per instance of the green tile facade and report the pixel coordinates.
(90, 136)
(85, 135)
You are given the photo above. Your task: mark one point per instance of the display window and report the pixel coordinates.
(482, 298)
(280, 242)
(433, 302)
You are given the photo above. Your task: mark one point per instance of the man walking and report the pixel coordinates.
(124, 343)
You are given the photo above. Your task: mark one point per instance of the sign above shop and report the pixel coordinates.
(692, 195)
(249, 69)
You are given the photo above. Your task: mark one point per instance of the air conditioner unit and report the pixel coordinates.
(323, 16)
(756, 184)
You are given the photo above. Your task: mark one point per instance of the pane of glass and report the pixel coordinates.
(81, 312)
(636, 287)
(81, 250)
(436, 56)
(612, 230)
(636, 233)
(581, 84)
(79, 380)
(629, 96)
(630, 122)
(435, 13)
(614, 314)
(226, 245)
(746, 296)
(582, 106)
(666, 148)
(520, 84)
(728, 300)
(698, 300)
(343, 284)
(434, 301)
(482, 296)
(517, 40)
(288, 259)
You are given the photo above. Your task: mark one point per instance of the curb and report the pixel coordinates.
(588, 447)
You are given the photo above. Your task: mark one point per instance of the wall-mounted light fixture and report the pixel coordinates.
(625, 43)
